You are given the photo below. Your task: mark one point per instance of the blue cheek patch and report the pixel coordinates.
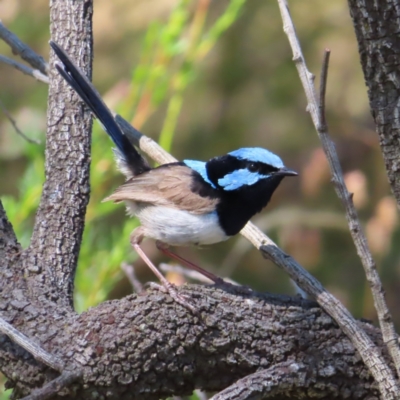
(239, 178)
(200, 167)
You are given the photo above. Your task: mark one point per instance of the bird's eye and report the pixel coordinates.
(253, 167)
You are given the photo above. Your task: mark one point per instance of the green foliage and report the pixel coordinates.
(21, 211)
(171, 54)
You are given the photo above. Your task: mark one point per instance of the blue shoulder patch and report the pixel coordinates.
(239, 178)
(200, 167)
(258, 154)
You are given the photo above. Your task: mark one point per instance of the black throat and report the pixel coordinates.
(236, 207)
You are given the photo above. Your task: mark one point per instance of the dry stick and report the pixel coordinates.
(130, 274)
(384, 316)
(53, 387)
(190, 274)
(317, 111)
(361, 341)
(68, 374)
(24, 69)
(185, 272)
(15, 126)
(23, 50)
(37, 352)
(274, 381)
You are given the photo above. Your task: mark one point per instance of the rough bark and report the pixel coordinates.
(124, 353)
(51, 258)
(376, 25)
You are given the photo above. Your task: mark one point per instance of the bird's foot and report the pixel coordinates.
(183, 300)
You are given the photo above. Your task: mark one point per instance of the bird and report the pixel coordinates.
(182, 203)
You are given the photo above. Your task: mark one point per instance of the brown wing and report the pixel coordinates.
(165, 186)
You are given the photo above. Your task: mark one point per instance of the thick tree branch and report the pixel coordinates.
(122, 351)
(53, 253)
(377, 29)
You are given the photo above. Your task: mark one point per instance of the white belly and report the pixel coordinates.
(179, 228)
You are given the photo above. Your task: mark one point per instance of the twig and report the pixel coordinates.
(14, 124)
(147, 145)
(23, 50)
(200, 394)
(187, 273)
(274, 381)
(322, 125)
(37, 352)
(68, 374)
(361, 341)
(281, 218)
(53, 387)
(385, 319)
(386, 380)
(130, 274)
(26, 70)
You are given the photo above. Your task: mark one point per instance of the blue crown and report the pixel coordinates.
(258, 154)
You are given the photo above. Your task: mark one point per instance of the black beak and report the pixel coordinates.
(286, 172)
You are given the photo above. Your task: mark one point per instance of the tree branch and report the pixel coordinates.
(53, 252)
(23, 50)
(55, 386)
(9, 246)
(24, 69)
(129, 271)
(121, 349)
(15, 126)
(389, 334)
(377, 29)
(37, 352)
(282, 379)
(370, 355)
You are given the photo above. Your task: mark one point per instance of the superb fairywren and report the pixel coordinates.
(182, 203)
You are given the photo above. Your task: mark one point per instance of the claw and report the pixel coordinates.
(180, 299)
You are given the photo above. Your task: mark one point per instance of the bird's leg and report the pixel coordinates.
(136, 238)
(164, 248)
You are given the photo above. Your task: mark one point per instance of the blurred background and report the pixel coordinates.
(205, 77)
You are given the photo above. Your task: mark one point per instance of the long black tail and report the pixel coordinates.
(128, 158)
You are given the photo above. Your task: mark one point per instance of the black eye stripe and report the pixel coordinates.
(261, 168)
(219, 167)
